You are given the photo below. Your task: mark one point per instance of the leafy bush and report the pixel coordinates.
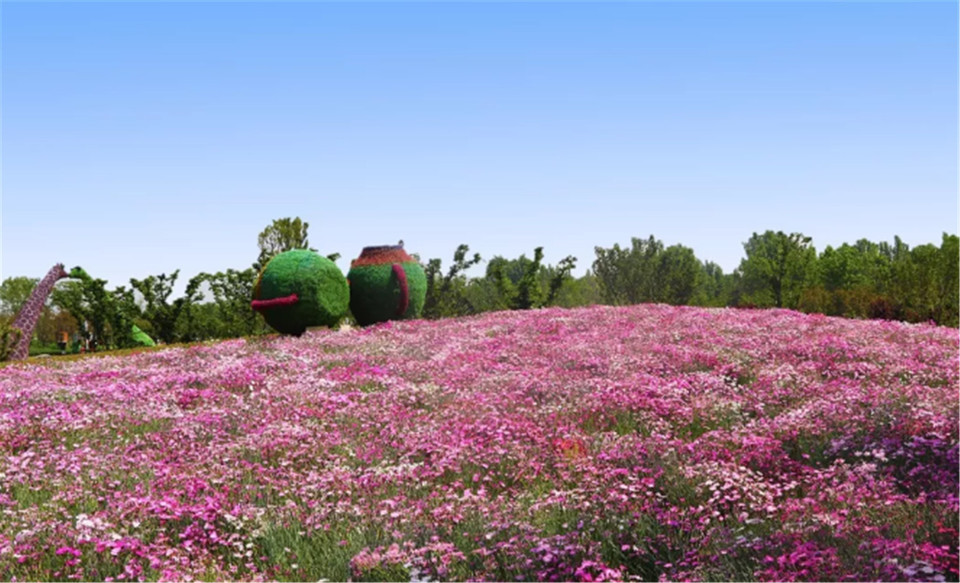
(9, 337)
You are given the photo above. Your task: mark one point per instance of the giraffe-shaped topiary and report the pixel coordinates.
(26, 319)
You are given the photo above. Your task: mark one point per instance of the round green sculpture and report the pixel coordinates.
(386, 284)
(298, 289)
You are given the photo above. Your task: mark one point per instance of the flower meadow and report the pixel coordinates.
(637, 443)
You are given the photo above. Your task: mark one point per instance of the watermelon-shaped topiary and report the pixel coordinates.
(386, 284)
(298, 289)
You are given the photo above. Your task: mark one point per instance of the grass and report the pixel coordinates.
(319, 554)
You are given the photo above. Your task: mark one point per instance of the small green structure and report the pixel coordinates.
(298, 289)
(140, 337)
(386, 284)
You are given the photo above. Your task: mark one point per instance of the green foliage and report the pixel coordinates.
(9, 337)
(231, 314)
(161, 314)
(559, 276)
(678, 273)
(776, 268)
(714, 288)
(504, 283)
(890, 281)
(861, 280)
(522, 283)
(947, 282)
(647, 272)
(627, 275)
(282, 235)
(482, 295)
(108, 315)
(529, 293)
(518, 282)
(446, 296)
(576, 292)
(14, 292)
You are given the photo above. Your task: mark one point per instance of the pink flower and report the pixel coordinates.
(69, 551)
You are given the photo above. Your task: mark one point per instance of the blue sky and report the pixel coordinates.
(138, 138)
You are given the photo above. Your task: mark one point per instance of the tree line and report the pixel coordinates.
(861, 280)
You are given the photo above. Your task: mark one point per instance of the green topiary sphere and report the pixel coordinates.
(386, 284)
(298, 289)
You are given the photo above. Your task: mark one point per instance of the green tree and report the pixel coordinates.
(14, 292)
(190, 323)
(948, 281)
(629, 276)
(89, 301)
(523, 283)
(518, 281)
(924, 289)
(776, 268)
(482, 295)
(232, 292)
(558, 276)
(164, 316)
(529, 291)
(577, 292)
(124, 314)
(714, 288)
(678, 274)
(68, 296)
(155, 290)
(9, 338)
(446, 295)
(900, 286)
(283, 235)
(647, 272)
(841, 268)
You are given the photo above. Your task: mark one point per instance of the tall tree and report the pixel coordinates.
(678, 274)
(529, 291)
(559, 276)
(776, 267)
(190, 323)
(948, 281)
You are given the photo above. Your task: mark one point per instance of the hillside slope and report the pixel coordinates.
(641, 442)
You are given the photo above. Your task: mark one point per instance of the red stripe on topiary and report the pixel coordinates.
(381, 255)
(404, 290)
(260, 305)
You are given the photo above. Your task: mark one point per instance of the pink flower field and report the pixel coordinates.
(640, 443)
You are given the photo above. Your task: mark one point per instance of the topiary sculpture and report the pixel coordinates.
(139, 337)
(298, 289)
(386, 284)
(26, 319)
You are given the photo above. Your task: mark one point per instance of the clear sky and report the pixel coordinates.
(138, 138)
